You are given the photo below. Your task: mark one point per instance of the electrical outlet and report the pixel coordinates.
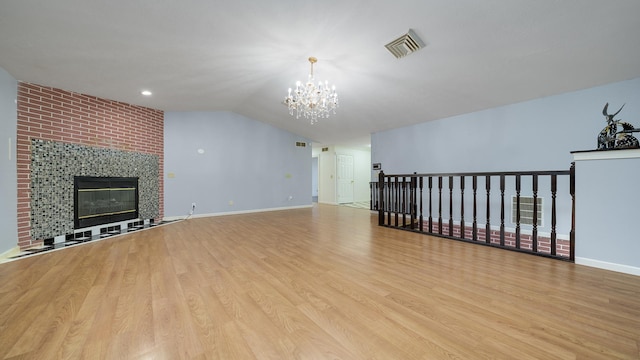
(230, 202)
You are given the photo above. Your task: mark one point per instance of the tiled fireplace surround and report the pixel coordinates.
(62, 134)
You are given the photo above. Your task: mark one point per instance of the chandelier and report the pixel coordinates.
(311, 101)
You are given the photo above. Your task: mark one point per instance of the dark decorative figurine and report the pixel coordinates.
(610, 138)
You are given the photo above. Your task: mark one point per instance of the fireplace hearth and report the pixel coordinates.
(104, 200)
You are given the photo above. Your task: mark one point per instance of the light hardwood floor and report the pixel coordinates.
(317, 283)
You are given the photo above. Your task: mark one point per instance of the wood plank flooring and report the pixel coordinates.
(317, 283)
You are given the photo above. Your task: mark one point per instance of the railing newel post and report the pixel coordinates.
(572, 192)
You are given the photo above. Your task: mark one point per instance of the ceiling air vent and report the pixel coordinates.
(405, 45)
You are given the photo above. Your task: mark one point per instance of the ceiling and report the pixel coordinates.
(243, 55)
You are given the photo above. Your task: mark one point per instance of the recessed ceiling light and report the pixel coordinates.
(145, 92)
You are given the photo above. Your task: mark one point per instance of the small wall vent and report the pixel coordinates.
(405, 45)
(325, 149)
(301, 144)
(526, 210)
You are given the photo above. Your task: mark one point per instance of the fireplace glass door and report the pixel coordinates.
(103, 200)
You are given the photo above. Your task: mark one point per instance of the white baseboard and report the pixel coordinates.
(632, 270)
(173, 218)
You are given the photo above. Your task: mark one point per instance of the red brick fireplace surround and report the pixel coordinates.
(57, 115)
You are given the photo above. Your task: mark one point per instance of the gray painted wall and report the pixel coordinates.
(607, 210)
(241, 161)
(8, 175)
(314, 176)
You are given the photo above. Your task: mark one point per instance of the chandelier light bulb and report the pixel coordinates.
(310, 101)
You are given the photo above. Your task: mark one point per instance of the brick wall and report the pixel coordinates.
(52, 114)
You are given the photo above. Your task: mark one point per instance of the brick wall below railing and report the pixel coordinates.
(526, 240)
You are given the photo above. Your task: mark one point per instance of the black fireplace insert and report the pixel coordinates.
(104, 200)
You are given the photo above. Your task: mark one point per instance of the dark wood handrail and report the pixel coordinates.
(490, 173)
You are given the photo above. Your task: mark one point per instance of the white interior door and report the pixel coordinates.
(344, 176)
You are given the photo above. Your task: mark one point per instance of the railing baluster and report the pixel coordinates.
(421, 218)
(381, 198)
(518, 186)
(475, 208)
(412, 201)
(403, 202)
(450, 205)
(397, 200)
(502, 210)
(389, 203)
(390, 192)
(487, 235)
(384, 190)
(554, 189)
(430, 205)
(440, 205)
(462, 207)
(534, 232)
(373, 204)
(387, 199)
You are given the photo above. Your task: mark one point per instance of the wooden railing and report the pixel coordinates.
(434, 204)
